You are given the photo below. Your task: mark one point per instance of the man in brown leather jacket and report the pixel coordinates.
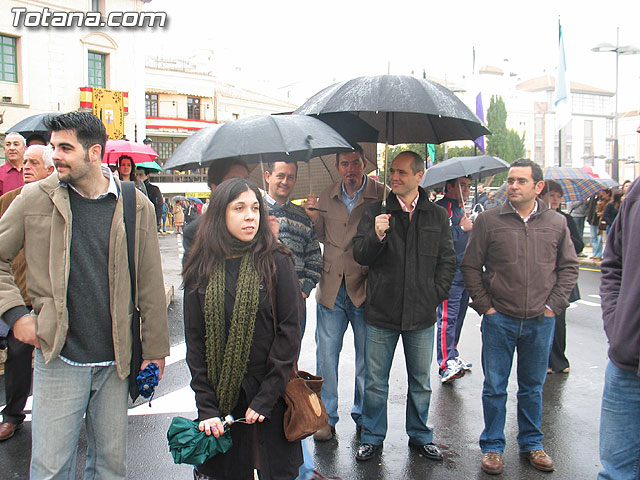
(519, 267)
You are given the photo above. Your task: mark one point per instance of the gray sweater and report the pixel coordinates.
(89, 336)
(620, 284)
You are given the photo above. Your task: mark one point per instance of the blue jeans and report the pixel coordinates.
(305, 472)
(62, 395)
(418, 352)
(620, 425)
(501, 336)
(596, 241)
(579, 221)
(330, 327)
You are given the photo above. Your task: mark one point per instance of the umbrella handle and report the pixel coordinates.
(309, 152)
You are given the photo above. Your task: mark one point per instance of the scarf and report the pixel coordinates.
(227, 353)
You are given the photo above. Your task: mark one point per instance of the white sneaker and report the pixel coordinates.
(463, 364)
(453, 371)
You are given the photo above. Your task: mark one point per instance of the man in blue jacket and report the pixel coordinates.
(620, 417)
(452, 311)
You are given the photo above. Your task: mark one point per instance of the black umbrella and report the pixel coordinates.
(400, 108)
(33, 125)
(322, 172)
(456, 167)
(271, 138)
(188, 155)
(266, 138)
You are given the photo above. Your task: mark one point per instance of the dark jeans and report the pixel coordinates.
(17, 379)
(557, 359)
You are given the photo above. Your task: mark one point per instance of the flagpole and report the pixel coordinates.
(557, 79)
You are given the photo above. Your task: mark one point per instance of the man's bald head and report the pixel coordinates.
(14, 147)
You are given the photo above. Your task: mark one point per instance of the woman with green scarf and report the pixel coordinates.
(242, 328)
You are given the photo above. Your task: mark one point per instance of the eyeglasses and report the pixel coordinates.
(520, 181)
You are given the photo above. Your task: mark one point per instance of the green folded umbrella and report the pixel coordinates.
(189, 445)
(153, 165)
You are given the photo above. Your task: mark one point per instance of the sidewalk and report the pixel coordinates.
(585, 258)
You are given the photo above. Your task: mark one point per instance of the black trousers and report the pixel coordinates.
(17, 379)
(557, 359)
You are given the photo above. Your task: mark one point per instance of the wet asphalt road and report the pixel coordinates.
(570, 422)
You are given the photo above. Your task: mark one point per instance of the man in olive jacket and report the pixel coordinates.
(412, 262)
(72, 230)
(519, 267)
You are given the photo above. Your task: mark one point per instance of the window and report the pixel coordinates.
(165, 148)
(151, 104)
(588, 130)
(97, 70)
(193, 108)
(8, 59)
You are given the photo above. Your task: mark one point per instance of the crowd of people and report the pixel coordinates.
(251, 261)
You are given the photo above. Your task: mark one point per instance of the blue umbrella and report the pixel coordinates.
(195, 199)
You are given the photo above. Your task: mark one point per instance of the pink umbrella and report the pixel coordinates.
(590, 171)
(139, 152)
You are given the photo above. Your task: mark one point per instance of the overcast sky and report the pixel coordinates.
(311, 41)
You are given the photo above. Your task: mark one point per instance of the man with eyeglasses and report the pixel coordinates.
(519, 267)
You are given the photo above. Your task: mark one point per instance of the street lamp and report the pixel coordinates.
(618, 50)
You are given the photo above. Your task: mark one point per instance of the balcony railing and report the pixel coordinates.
(178, 178)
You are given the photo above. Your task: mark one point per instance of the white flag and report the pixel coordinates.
(563, 86)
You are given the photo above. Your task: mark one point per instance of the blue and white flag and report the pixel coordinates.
(562, 96)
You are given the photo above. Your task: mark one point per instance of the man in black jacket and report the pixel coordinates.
(620, 418)
(411, 261)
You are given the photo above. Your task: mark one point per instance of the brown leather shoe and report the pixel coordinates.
(325, 434)
(492, 463)
(7, 430)
(539, 460)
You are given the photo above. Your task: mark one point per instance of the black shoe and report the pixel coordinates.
(366, 451)
(430, 451)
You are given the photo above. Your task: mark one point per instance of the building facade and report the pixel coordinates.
(55, 68)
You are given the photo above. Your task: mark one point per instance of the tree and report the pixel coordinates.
(420, 148)
(502, 143)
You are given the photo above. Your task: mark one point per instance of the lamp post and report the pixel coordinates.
(618, 50)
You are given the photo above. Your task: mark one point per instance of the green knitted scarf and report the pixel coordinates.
(227, 353)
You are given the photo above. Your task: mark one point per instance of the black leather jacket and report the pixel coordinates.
(411, 269)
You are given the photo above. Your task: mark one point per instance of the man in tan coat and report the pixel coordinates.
(72, 230)
(341, 291)
(38, 164)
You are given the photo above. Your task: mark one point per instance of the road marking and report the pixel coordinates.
(588, 303)
(178, 352)
(180, 401)
(595, 296)
(590, 269)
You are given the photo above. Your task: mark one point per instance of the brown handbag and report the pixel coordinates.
(305, 413)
